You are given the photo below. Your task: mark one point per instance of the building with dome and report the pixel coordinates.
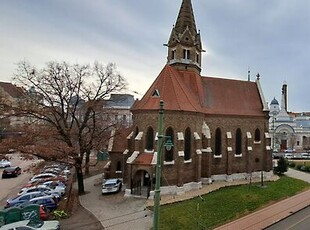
(218, 126)
(288, 130)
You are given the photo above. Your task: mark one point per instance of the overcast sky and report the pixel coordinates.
(271, 37)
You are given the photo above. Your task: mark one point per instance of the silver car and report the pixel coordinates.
(5, 163)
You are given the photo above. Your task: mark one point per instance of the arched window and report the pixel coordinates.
(238, 142)
(218, 142)
(118, 166)
(257, 135)
(137, 131)
(149, 139)
(187, 145)
(169, 154)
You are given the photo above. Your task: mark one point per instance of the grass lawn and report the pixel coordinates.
(228, 203)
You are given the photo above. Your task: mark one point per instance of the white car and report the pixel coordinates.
(111, 185)
(305, 155)
(41, 188)
(42, 176)
(54, 188)
(288, 155)
(5, 163)
(32, 224)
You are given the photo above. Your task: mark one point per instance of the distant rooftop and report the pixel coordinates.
(120, 100)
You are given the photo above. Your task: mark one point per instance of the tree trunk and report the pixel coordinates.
(79, 175)
(87, 162)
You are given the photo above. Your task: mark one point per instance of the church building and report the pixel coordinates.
(218, 127)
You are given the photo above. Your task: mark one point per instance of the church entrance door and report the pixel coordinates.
(141, 184)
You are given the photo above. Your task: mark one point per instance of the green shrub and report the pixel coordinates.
(292, 164)
(282, 166)
(299, 166)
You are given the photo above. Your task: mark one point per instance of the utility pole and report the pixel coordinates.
(158, 167)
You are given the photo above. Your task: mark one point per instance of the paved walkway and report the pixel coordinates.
(115, 212)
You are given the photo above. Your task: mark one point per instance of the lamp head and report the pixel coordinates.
(168, 144)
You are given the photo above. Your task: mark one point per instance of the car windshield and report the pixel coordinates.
(35, 223)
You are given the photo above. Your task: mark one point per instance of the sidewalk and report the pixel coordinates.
(273, 213)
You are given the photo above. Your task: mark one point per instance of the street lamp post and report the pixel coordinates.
(168, 146)
(158, 166)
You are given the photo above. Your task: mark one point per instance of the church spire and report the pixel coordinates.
(186, 18)
(184, 45)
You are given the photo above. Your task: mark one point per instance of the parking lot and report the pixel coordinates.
(115, 211)
(11, 186)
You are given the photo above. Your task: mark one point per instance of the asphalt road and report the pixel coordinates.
(297, 221)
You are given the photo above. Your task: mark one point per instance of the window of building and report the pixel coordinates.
(173, 54)
(238, 142)
(218, 142)
(257, 135)
(169, 154)
(197, 58)
(137, 131)
(187, 145)
(186, 54)
(118, 166)
(149, 139)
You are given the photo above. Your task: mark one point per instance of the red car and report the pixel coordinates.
(43, 215)
(11, 172)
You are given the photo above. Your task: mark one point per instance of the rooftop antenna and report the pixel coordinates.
(249, 74)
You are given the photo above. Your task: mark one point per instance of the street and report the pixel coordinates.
(297, 221)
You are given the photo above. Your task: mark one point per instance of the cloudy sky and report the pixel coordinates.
(271, 37)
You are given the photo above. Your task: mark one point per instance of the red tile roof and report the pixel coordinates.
(144, 159)
(184, 90)
(119, 139)
(178, 91)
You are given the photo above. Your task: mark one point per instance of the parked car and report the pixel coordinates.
(305, 155)
(51, 183)
(42, 176)
(111, 185)
(32, 224)
(5, 163)
(54, 188)
(22, 198)
(49, 202)
(43, 189)
(288, 155)
(40, 181)
(11, 172)
(289, 150)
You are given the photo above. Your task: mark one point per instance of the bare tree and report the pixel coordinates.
(65, 101)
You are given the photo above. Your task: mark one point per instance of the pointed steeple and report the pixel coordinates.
(184, 45)
(186, 18)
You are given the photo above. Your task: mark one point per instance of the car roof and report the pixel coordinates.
(42, 197)
(11, 168)
(15, 224)
(111, 181)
